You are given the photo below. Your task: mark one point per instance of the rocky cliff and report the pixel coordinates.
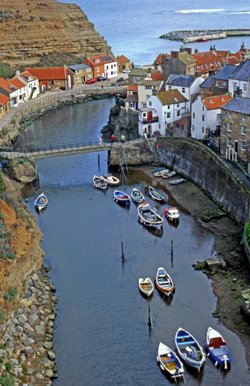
(31, 30)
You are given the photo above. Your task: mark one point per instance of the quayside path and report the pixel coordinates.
(60, 149)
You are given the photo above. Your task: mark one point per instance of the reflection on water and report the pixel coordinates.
(101, 336)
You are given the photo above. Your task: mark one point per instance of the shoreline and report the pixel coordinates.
(227, 284)
(190, 36)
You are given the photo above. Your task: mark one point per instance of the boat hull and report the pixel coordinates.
(164, 282)
(189, 349)
(169, 362)
(217, 349)
(121, 198)
(155, 194)
(136, 196)
(146, 286)
(148, 217)
(41, 202)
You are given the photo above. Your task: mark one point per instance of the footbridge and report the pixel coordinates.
(60, 149)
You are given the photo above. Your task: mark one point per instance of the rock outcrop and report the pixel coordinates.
(33, 29)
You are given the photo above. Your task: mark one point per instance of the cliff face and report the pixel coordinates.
(32, 29)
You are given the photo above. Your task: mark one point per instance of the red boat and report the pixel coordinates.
(202, 39)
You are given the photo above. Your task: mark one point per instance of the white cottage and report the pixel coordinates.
(206, 115)
(188, 85)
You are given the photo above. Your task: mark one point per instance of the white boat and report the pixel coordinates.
(159, 173)
(146, 286)
(41, 201)
(110, 179)
(148, 217)
(217, 349)
(163, 282)
(177, 181)
(170, 362)
(189, 349)
(168, 174)
(172, 213)
(99, 183)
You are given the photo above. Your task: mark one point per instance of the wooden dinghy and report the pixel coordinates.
(41, 202)
(170, 362)
(121, 197)
(159, 173)
(164, 282)
(137, 196)
(146, 286)
(155, 194)
(99, 183)
(168, 174)
(177, 181)
(217, 349)
(148, 217)
(111, 180)
(189, 349)
(172, 213)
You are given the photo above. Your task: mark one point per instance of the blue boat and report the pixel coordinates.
(155, 194)
(217, 349)
(41, 202)
(121, 197)
(189, 349)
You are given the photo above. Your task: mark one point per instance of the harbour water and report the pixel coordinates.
(102, 337)
(132, 28)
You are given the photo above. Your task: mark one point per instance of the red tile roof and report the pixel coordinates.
(123, 59)
(133, 87)
(216, 102)
(3, 99)
(160, 58)
(157, 75)
(6, 86)
(17, 83)
(49, 73)
(102, 59)
(27, 74)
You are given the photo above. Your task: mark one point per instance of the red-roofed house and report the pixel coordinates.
(158, 62)
(31, 82)
(9, 90)
(206, 115)
(20, 89)
(123, 63)
(102, 65)
(51, 77)
(4, 104)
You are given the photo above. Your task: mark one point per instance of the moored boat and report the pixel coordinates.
(155, 194)
(110, 179)
(146, 286)
(159, 173)
(172, 213)
(41, 201)
(121, 197)
(163, 282)
(137, 196)
(217, 349)
(99, 183)
(189, 349)
(177, 181)
(168, 174)
(148, 216)
(170, 362)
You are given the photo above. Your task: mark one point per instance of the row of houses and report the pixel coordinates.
(33, 81)
(212, 106)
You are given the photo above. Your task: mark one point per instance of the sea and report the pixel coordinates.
(132, 28)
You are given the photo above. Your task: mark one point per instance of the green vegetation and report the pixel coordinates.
(6, 71)
(247, 232)
(10, 295)
(1, 316)
(2, 184)
(7, 381)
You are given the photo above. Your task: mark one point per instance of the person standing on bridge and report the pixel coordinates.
(123, 138)
(113, 138)
(100, 141)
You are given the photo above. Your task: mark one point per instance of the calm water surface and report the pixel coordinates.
(101, 332)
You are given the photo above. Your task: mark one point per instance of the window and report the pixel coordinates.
(203, 117)
(203, 130)
(229, 141)
(235, 86)
(243, 130)
(178, 105)
(229, 115)
(169, 87)
(245, 87)
(149, 103)
(218, 118)
(168, 115)
(193, 115)
(203, 108)
(243, 146)
(178, 113)
(168, 107)
(229, 126)
(183, 89)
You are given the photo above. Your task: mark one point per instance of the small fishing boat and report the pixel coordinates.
(159, 173)
(146, 286)
(164, 282)
(170, 362)
(202, 39)
(168, 174)
(121, 197)
(217, 349)
(99, 183)
(171, 213)
(41, 201)
(155, 194)
(158, 169)
(137, 196)
(148, 216)
(111, 180)
(189, 349)
(177, 181)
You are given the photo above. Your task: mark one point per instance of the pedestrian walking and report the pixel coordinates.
(123, 138)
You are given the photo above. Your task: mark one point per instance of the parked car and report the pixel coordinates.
(101, 78)
(90, 81)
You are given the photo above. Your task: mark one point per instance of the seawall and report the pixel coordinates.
(188, 36)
